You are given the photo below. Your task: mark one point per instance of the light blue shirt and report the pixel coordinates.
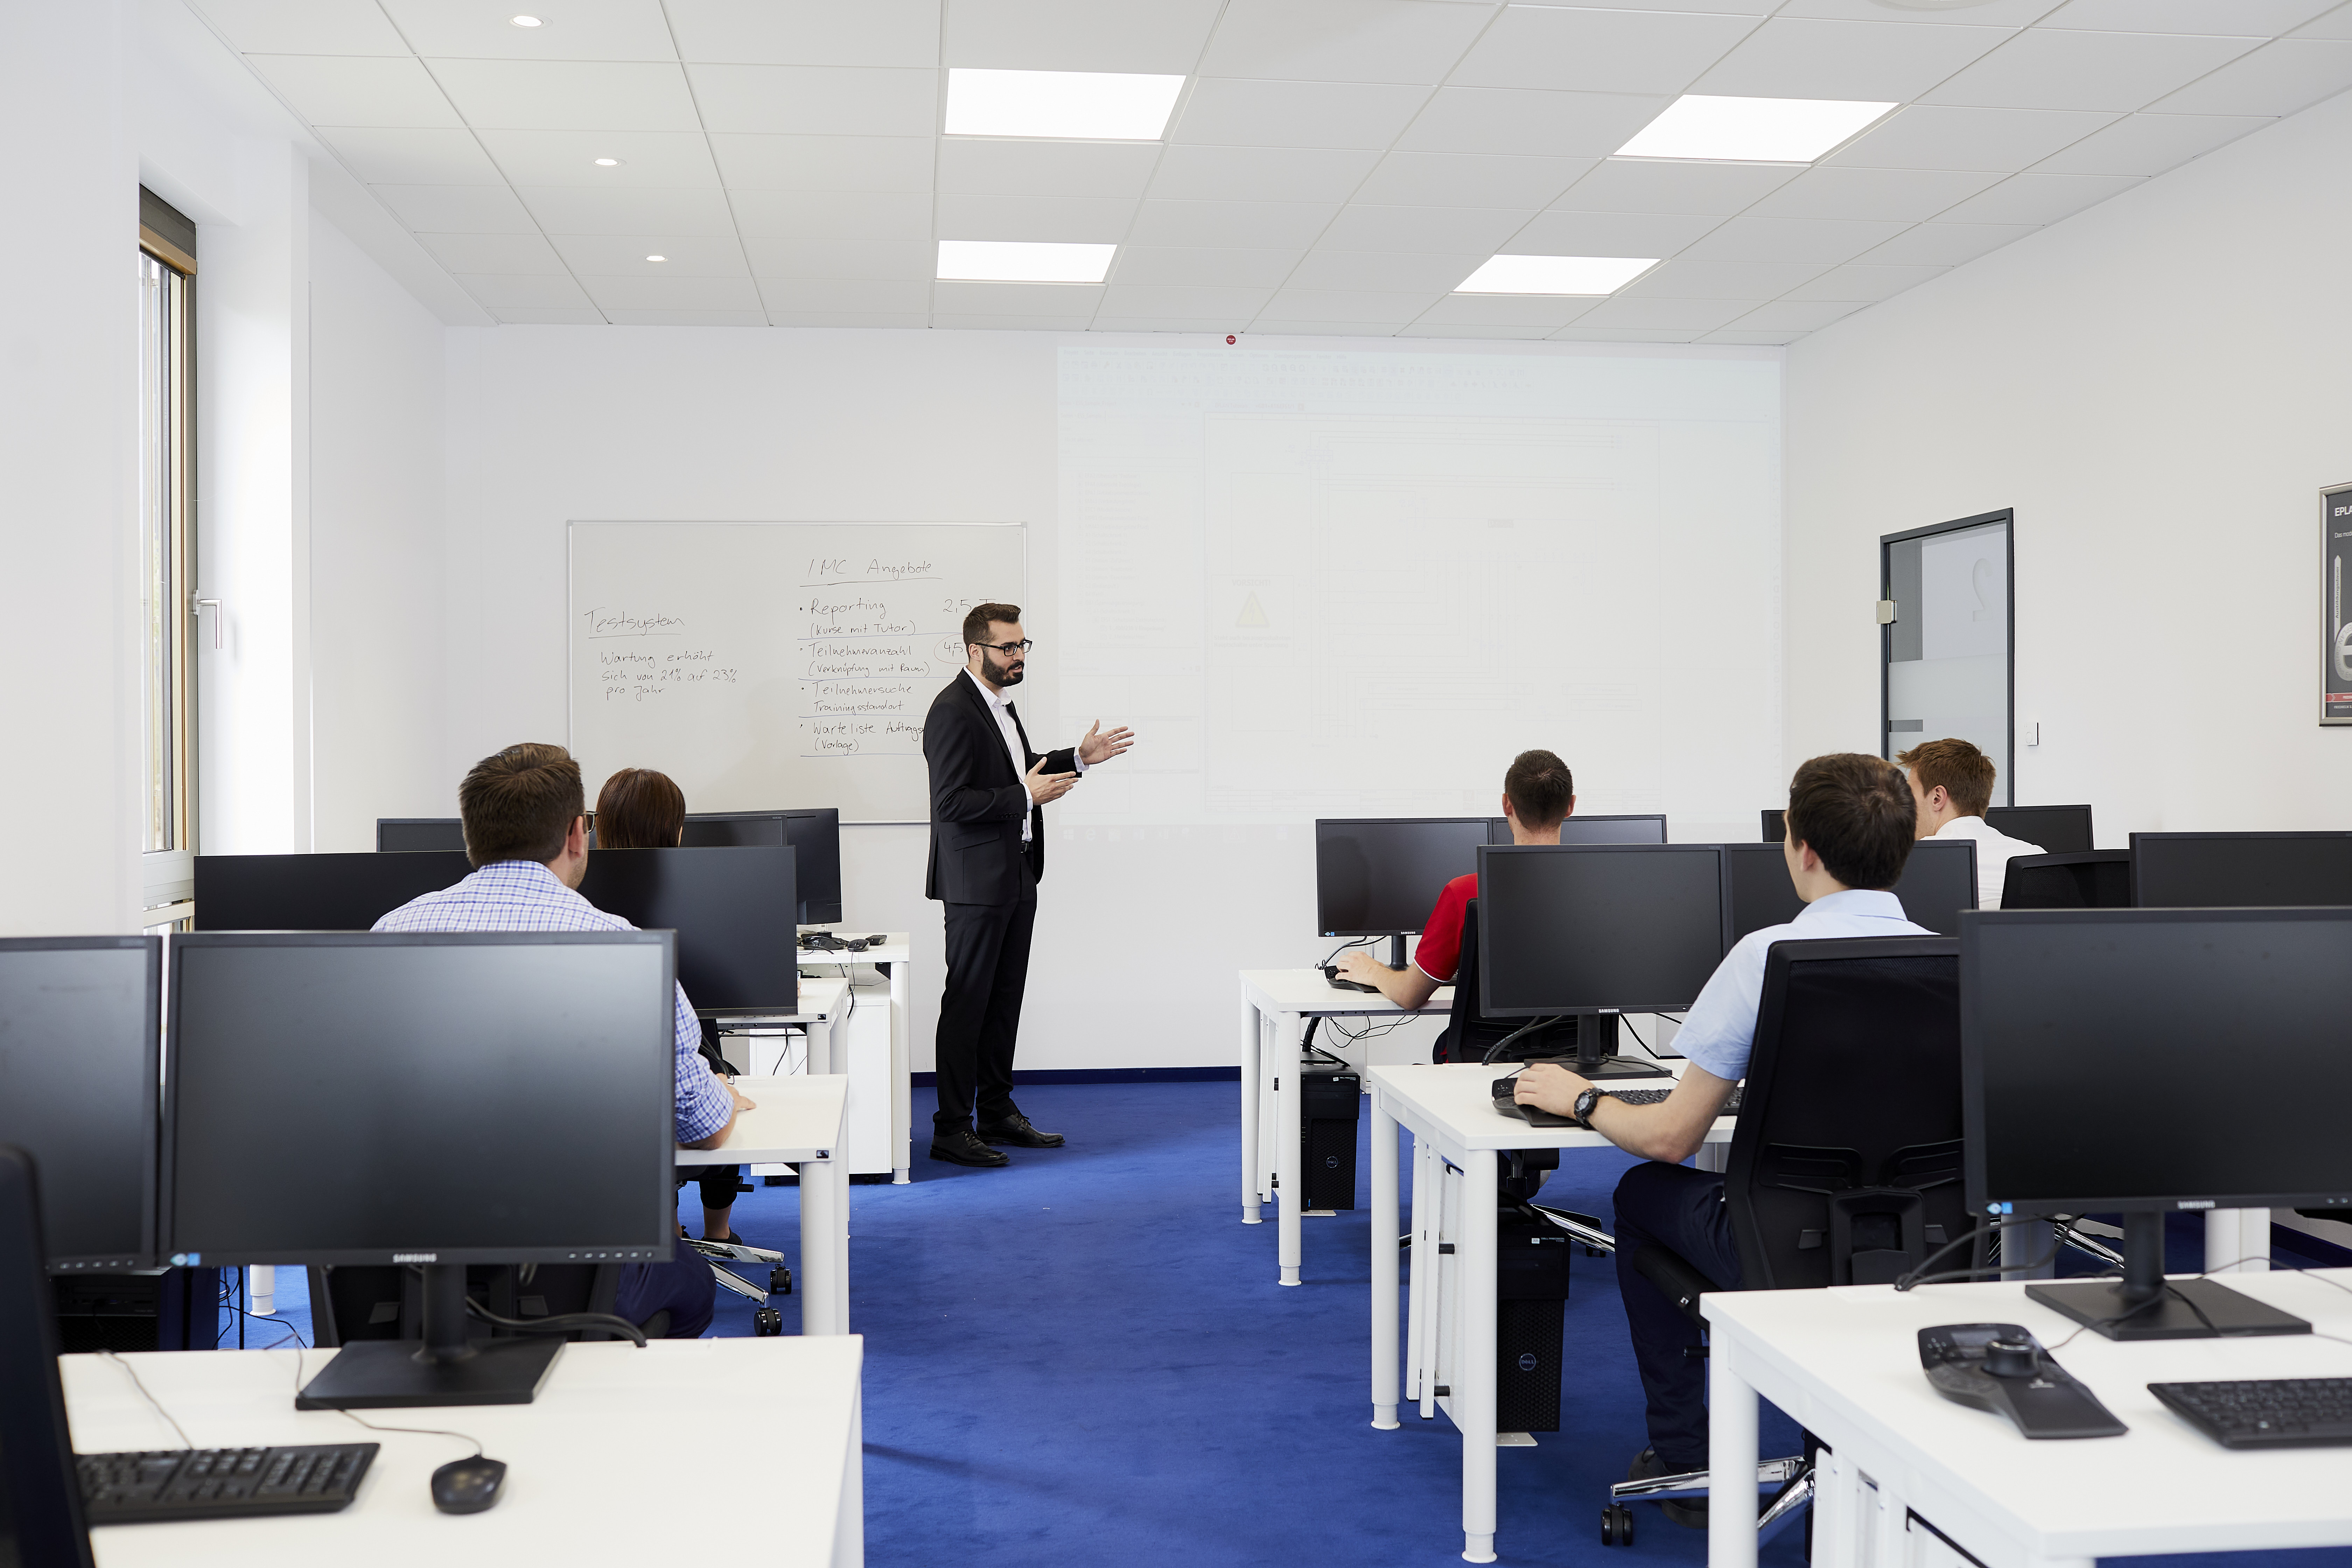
(1719, 1031)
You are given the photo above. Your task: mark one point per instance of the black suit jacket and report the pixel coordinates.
(977, 801)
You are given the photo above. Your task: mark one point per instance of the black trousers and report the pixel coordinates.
(980, 1010)
(1680, 1209)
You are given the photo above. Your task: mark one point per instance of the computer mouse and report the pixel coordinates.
(467, 1486)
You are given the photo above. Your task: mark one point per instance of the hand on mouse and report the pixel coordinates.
(1548, 1085)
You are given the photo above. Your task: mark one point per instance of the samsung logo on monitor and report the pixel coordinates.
(416, 1258)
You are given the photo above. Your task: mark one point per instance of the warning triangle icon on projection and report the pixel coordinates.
(1253, 614)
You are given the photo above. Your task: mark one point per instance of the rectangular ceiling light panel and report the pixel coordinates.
(1556, 274)
(1020, 261)
(1093, 106)
(1752, 130)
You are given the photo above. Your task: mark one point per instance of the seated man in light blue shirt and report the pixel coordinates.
(1850, 822)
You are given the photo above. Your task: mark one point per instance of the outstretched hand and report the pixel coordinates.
(1098, 747)
(1045, 788)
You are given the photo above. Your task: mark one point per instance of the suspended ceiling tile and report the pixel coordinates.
(1067, 220)
(1677, 315)
(549, 316)
(671, 158)
(1176, 266)
(816, 100)
(1424, 328)
(305, 26)
(1153, 36)
(965, 298)
(957, 320)
(1262, 173)
(807, 32)
(497, 290)
(1341, 40)
(2038, 198)
(1945, 244)
(1797, 57)
(1207, 326)
(1544, 124)
(1745, 238)
(2053, 69)
(1253, 226)
(791, 295)
(790, 256)
(2277, 78)
(1685, 280)
(569, 95)
(2187, 15)
(2336, 24)
(1222, 111)
(1666, 185)
(414, 157)
(572, 209)
(2150, 144)
(687, 318)
(1908, 194)
(623, 256)
(1450, 230)
(832, 215)
(1985, 14)
(457, 209)
(1384, 271)
(1234, 305)
(1546, 312)
(613, 294)
(824, 162)
(1753, 339)
(1860, 281)
(573, 29)
(1598, 50)
(1608, 233)
(1013, 166)
(849, 318)
(1929, 136)
(1799, 315)
(1470, 180)
(1296, 305)
(357, 90)
(489, 253)
(1294, 329)
(1580, 333)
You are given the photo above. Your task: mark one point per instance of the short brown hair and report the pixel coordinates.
(640, 809)
(1964, 773)
(519, 803)
(1540, 787)
(976, 619)
(1855, 812)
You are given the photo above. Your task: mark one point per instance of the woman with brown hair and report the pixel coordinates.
(641, 809)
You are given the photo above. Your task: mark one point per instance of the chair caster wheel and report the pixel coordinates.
(780, 1280)
(1616, 1525)
(766, 1322)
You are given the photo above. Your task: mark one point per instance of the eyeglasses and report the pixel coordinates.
(1023, 645)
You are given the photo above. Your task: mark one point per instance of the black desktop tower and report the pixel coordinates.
(1330, 1096)
(171, 1310)
(1530, 1305)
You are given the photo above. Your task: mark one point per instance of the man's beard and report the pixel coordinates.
(1000, 674)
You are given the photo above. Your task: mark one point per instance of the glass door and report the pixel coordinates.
(1946, 644)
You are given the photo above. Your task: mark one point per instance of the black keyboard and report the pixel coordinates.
(2265, 1413)
(221, 1483)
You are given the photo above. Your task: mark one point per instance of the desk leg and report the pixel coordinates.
(1289, 1107)
(824, 1245)
(1253, 1045)
(902, 1093)
(1472, 1398)
(1383, 1135)
(1730, 1462)
(849, 1520)
(1437, 1310)
(2238, 1241)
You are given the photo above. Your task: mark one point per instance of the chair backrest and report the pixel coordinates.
(1846, 1166)
(41, 1517)
(2087, 880)
(1468, 1032)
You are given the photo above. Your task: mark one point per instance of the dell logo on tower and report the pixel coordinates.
(1526, 1361)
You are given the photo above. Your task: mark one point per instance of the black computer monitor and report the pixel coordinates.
(1758, 887)
(813, 832)
(1775, 826)
(734, 913)
(316, 892)
(342, 1098)
(1646, 829)
(1597, 928)
(1381, 876)
(1939, 880)
(2233, 870)
(2081, 1031)
(414, 833)
(79, 1066)
(2059, 829)
(41, 1518)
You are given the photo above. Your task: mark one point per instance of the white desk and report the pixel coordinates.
(1845, 1363)
(797, 1121)
(1271, 1103)
(1450, 1112)
(821, 1001)
(602, 1467)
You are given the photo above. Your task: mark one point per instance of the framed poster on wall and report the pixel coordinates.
(2335, 631)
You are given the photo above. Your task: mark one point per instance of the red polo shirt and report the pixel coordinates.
(1439, 953)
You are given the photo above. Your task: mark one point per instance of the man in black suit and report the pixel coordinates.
(988, 854)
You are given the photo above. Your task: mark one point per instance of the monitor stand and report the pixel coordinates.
(444, 1368)
(1396, 950)
(1596, 1051)
(2144, 1305)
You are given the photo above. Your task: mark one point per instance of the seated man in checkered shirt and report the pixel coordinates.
(527, 835)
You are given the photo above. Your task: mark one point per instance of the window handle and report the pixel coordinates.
(198, 610)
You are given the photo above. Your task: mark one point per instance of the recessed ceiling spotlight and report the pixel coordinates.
(656, 259)
(1555, 274)
(1751, 130)
(1018, 261)
(1094, 106)
(522, 21)
(608, 163)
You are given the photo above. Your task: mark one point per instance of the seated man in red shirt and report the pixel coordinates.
(1539, 793)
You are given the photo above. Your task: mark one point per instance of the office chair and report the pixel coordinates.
(2090, 879)
(377, 1303)
(1846, 1163)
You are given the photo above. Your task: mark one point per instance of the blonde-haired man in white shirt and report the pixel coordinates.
(1952, 783)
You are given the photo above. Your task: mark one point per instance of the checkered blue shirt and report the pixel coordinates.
(523, 895)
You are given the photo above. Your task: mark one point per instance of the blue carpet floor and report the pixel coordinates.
(1085, 1360)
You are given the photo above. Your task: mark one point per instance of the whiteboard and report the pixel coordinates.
(770, 665)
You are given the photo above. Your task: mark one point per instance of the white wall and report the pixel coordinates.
(2155, 386)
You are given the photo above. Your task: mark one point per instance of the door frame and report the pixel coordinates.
(2007, 785)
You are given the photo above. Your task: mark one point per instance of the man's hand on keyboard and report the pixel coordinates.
(1548, 1085)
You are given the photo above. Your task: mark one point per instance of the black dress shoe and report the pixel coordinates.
(1689, 1513)
(962, 1148)
(1015, 1129)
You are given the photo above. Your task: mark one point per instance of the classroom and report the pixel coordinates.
(1643, 655)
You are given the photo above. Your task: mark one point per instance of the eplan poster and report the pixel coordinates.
(2336, 647)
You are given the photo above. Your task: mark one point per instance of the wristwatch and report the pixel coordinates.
(1582, 1109)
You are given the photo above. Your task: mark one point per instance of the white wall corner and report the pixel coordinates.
(351, 207)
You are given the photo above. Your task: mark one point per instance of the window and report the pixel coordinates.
(167, 267)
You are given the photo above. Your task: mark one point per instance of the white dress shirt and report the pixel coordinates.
(1001, 705)
(1995, 849)
(1719, 1031)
